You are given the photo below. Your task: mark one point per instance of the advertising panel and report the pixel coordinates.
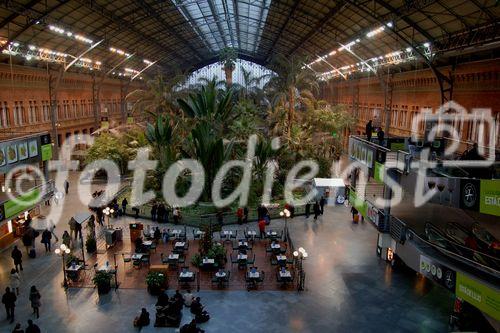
(20, 151)
(362, 152)
(489, 197)
(478, 294)
(358, 203)
(378, 173)
(22, 203)
(46, 152)
(448, 190)
(437, 272)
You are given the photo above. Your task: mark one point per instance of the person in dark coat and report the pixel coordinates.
(66, 186)
(35, 301)
(316, 210)
(161, 212)
(124, 205)
(18, 329)
(143, 319)
(369, 130)
(322, 203)
(32, 328)
(154, 210)
(308, 209)
(17, 256)
(28, 239)
(245, 214)
(9, 300)
(78, 230)
(354, 212)
(46, 238)
(380, 136)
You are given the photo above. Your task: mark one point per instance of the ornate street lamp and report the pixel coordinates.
(299, 256)
(285, 213)
(62, 251)
(108, 211)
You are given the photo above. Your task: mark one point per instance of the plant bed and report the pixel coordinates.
(155, 282)
(102, 280)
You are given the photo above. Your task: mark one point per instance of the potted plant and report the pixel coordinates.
(155, 282)
(102, 280)
(196, 260)
(90, 244)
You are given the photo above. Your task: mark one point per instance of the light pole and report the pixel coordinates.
(108, 211)
(300, 255)
(285, 213)
(62, 251)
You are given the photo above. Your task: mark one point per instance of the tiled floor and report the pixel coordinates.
(348, 289)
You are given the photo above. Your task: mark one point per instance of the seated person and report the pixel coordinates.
(177, 296)
(142, 320)
(191, 328)
(163, 300)
(201, 315)
(138, 245)
(188, 298)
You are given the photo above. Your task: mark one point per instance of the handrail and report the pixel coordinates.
(415, 236)
(356, 137)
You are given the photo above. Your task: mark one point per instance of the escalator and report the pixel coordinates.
(454, 239)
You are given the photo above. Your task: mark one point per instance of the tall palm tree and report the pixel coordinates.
(160, 96)
(164, 140)
(291, 77)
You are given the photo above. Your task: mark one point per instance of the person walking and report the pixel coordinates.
(52, 227)
(316, 210)
(308, 209)
(46, 237)
(32, 328)
(9, 300)
(17, 256)
(322, 203)
(35, 301)
(262, 228)
(78, 230)
(28, 239)
(154, 210)
(369, 130)
(245, 214)
(177, 214)
(66, 186)
(15, 281)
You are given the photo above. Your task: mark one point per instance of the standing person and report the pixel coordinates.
(354, 213)
(245, 214)
(66, 186)
(66, 238)
(308, 209)
(160, 212)
(35, 301)
(17, 256)
(154, 210)
(46, 237)
(262, 228)
(32, 328)
(176, 215)
(380, 136)
(78, 230)
(239, 215)
(142, 320)
(28, 239)
(369, 130)
(316, 209)
(72, 227)
(124, 205)
(52, 227)
(9, 300)
(220, 217)
(15, 281)
(322, 203)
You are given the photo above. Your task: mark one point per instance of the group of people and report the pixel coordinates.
(369, 128)
(161, 212)
(9, 299)
(318, 207)
(169, 312)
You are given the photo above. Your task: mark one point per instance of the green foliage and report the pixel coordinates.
(101, 279)
(228, 56)
(90, 243)
(155, 279)
(196, 260)
(111, 147)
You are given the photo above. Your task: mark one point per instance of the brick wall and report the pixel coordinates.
(477, 85)
(25, 102)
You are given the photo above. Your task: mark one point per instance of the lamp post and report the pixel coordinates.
(285, 213)
(108, 211)
(299, 256)
(62, 251)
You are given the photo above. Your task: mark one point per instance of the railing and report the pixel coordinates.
(401, 233)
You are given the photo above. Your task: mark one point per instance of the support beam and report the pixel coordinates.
(17, 13)
(278, 35)
(151, 12)
(54, 83)
(32, 22)
(82, 54)
(136, 75)
(96, 91)
(124, 87)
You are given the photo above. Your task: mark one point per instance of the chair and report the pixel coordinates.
(233, 260)
(164, 260)
(153, 247)
(126, 258)
(234, 235)
(146, 259)
(196, 235)
(136, 263)
(222, 234)
(284, 248)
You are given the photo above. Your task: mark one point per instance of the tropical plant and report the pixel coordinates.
(228, 58)
(163, 139)
(291, 76)
(111, 147)
(91, 243)
(102, 280)
(160, 96)
(155, 279)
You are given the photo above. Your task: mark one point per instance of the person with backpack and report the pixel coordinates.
(17, 256)
(35, 301)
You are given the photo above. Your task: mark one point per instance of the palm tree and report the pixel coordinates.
(164, 140)
(160, 96)
(228, 58)
(291, 77)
